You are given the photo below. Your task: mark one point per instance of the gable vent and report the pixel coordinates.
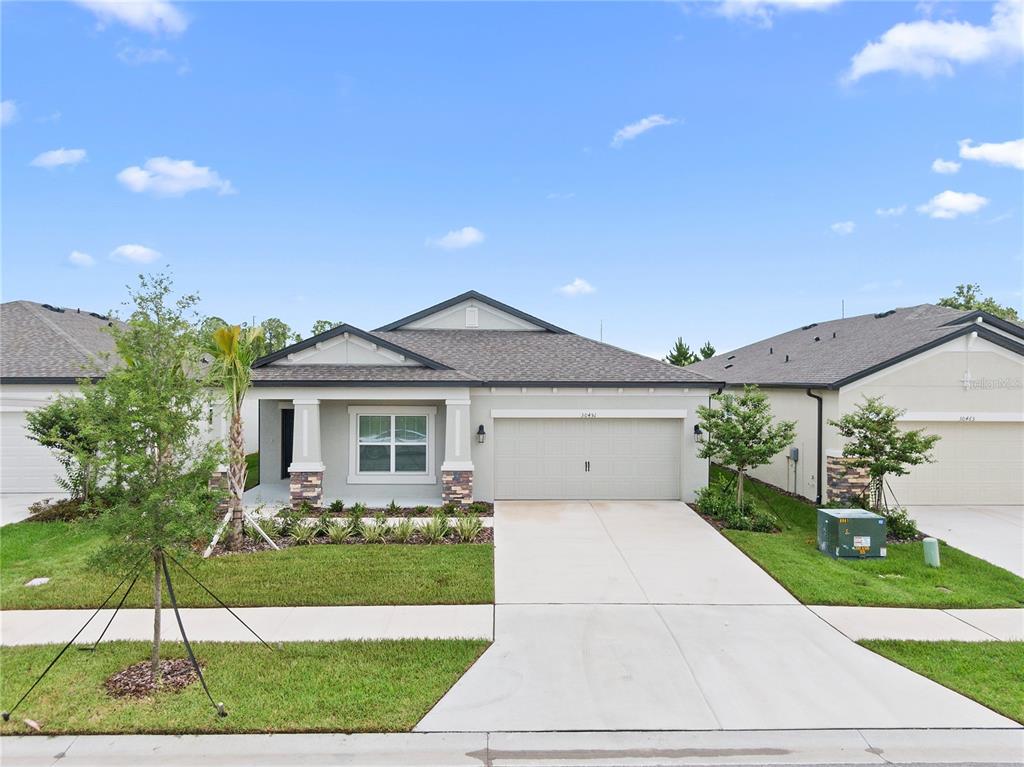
(472, 317)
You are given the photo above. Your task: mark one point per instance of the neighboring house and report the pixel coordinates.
(44, 350)
(957, 373)
(473, 399)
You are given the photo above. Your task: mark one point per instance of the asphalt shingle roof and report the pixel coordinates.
(355, 374)
(827, 353)
(41, 343)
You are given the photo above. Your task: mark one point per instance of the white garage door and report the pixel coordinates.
(25, 466)
(566, 458)
(976, 463)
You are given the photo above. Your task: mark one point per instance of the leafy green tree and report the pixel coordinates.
(145, 416)
(707, 350)
(234, 349)
(276, 335)
(876, 443)
(968, 297)
(681, 354)
(322, 326)
(58, 426)
(211, 324)
(741, 433)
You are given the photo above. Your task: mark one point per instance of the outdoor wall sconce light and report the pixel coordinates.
(481, 435)
(698, 435)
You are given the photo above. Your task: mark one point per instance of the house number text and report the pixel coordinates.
(588, 414)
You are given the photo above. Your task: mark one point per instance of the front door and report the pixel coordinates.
(287, 431)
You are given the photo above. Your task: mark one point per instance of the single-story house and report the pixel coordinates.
(44, 350)
(473, 399)
(956, 373)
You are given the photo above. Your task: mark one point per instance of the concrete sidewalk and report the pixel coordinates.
(274, 624)
(927, 625)
(542, 749)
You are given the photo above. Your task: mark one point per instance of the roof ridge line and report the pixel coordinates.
(38, 310)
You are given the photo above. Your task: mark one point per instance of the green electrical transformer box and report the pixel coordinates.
(851, 533)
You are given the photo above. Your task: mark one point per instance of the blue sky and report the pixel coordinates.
(360, 162)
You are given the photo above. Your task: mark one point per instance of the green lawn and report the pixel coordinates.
(991, 673)
(304, 575)
(901, 579)
(382, 686)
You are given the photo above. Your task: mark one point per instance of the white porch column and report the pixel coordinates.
(457, 467)
(307, 468)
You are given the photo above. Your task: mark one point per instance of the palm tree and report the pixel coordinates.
(234, 349)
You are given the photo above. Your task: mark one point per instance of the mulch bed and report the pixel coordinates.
(250, 546)
(136, 681)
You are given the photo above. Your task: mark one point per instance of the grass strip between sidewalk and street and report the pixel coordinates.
(991, 673)
(380, 686)
(901, 579)
(322, 574)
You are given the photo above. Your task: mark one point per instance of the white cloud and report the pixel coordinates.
(633, 130)
(951, 204)
(78, 258)
(843, 228)
(1007, 153)
(153, 16)
(899, 210)
(136, 254)
(457, 239)
(561, 195)
(8, 112)
(136, 56)
(946, 167)
(928, 48)
(578, 287)
(762, 12)
(164, 177)
(57, 157)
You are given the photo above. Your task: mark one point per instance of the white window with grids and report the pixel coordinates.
(391, 445)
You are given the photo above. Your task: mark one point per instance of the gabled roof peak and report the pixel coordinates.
(474, 296)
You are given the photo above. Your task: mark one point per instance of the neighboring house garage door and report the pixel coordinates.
(567, 458)
(25, 466)
(976, 464)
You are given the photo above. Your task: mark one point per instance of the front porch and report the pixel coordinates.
(413, 448)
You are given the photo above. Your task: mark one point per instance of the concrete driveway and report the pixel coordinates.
(994, 533)
(640, 616)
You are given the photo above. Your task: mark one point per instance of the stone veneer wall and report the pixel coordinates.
(219, 484)
(845, 483)
(306, 487)
(457, 487)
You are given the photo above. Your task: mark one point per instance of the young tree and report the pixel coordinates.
(740, 432)
(681, 354)
(276, 335)
(876, 443)
(58, 426)
(707, 350)
(145, 416)
(968, 297)
(322, 326)
(234, 349)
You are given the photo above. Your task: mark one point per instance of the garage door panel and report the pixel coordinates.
(26, 466)
(629, 458)
(976, 463)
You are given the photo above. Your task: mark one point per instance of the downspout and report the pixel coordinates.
(820, 427)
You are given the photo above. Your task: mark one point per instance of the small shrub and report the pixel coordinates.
(377, 531)
(899, 525)
(480, 508)
(468, 527)
(436, 528)
(289, 519)
(303, 535)
(403, 531)
(394, 509)
(718, 501)
(323, 522)
(422, 510)
(62, 510)
(337, 507)
(451, 508)
(339, 532)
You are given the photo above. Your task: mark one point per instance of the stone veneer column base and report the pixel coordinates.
(846, 483)
(219, 484)
(306, 487)
(457, 487)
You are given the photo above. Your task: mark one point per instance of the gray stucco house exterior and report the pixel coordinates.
(472, 399)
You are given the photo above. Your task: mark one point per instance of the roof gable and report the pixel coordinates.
(347, 345)
(472, 311)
